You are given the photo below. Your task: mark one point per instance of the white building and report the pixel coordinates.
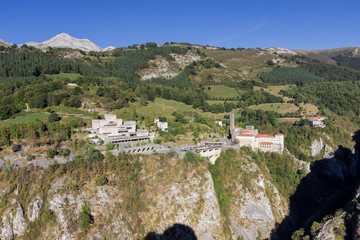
(162, 125)
(116, 130)
(317, 122)
(210, 153)
(209, 150)
(220, 123)
(250, 137)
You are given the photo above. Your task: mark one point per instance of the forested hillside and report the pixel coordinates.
(59, 183)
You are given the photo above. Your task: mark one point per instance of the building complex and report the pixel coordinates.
(116, 130)
(250, 137)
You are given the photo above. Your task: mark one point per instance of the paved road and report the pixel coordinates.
(43, 161)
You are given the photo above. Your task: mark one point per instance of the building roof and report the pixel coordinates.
(245, 135)
(249, 130)
(279, 134)
(263, 135)
(237, 127)
(316, 119)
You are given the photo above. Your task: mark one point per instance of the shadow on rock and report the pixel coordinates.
(176, 232)
(329, 186)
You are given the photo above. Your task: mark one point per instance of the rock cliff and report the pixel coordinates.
(147, 195)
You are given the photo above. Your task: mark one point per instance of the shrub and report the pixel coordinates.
(191, 156)
(162, 119)
(94, 155)
(30, 157)
(110, 146)
(85, 218)
(158, 140)
(151, 45)
(15, 147)
(53, 117)
(65, 152)
(102, 180)
(55, 166)
(51, 153)
(47, 216)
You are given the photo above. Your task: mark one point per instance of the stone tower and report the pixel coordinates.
(232, 127)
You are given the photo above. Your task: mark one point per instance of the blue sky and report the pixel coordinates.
(293, 24)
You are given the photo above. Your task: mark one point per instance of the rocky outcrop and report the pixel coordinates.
(163, 68)
(191, 202)
(168, 194)
(316, 147)
(256, 208)
(34, 209)
(159, 68)
(329, 152)
(13, 222)
(332, 229)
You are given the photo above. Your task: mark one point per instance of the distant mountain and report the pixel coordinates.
(277, 50)
(109, 48)
(346, 56)
(64, 40)
(2, 43)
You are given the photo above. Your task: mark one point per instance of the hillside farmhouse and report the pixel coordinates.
(317, 121)
(220, 123)
(162, 125)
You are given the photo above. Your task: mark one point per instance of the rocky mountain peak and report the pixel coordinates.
(64, 40)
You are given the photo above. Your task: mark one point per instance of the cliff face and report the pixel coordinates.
(144, 196)
(255, 209)
(325, 203)
(164, 192)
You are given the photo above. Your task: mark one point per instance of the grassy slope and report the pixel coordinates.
(308, 108)
(276, 107)
(241, 60)
(248, 63)
(25, 117)
(160, 107)
(71, 76)
(221, 91)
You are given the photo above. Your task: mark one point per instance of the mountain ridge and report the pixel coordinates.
(64, 40)
(344, 56)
